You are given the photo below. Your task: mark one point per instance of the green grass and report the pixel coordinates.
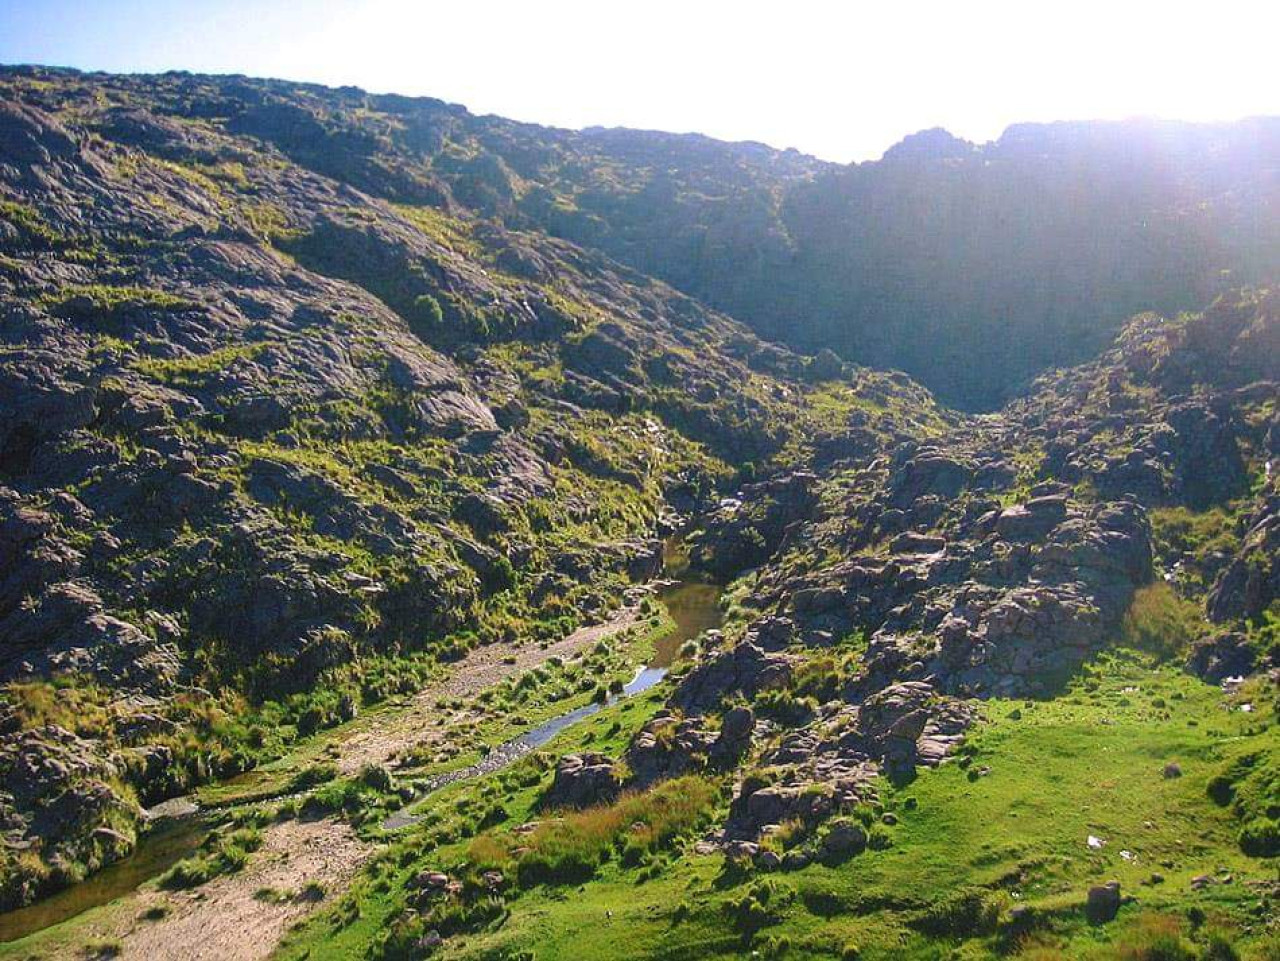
(103, 301)
(510, 708)
(1161, 622)
(220, 854)
(192, 371)
(964, 853)
(31, 226)
(451, 823)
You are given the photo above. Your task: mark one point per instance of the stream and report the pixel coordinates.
(156, 852)
(693, 606)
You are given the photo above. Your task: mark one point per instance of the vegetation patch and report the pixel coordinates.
(101, 302)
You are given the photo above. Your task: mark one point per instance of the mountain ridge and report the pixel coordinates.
(903, 263)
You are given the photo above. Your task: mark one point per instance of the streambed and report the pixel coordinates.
(694, 606)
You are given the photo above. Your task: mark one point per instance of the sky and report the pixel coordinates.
(842, 81)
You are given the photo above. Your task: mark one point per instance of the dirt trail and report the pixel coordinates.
(223, 919)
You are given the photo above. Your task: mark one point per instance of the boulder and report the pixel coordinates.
(1103, 902)
(1227, 654)
(1033, 520)
(735, 736)
(582, 780)
(929, 471)
(844, 839)
(744, 669)
(1251, 582)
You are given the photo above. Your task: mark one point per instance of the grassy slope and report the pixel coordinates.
(1090, 762)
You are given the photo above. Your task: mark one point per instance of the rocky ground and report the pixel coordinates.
(266, 436)
(300, 863)
(993, 559)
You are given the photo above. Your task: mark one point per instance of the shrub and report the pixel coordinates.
(782, 706)
(1219, 948)
(222, 855)
(1160, 622)
(963, 914)
(377, 776)
(312, 776)
(1260, 838)
(188, 873)
(1153, 937)
(427, 312)
(1220, 789)
(751, 912)
(570, 849)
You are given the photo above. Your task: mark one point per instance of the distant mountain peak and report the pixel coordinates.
(935, 143)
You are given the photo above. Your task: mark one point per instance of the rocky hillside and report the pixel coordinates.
(992, 558)
(306, 394)
(1002, 686)
(266, 435)
(1037, 245)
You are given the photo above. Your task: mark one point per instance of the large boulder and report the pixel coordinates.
(1224, 655)
(1103, 902)
(582, 780)
(1031, 521)
(743, 669)
(928, 471)
(668, 746)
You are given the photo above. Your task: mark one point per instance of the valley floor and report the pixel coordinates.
(988, 856)
(242, 915)
(1048, 798)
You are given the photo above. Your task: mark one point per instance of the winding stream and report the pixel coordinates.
(693, 606)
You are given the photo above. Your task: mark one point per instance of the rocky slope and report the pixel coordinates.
(304, 393)
(993, 686)
(992, 559)
(1037, 245)
(266, 435)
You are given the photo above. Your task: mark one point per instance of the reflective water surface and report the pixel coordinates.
(155, 854)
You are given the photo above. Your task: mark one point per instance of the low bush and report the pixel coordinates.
(1153, 937)
(1260, 838)
(1160, 622)
(752, 911)
(313, 776)
(963, 914)
(221, 854)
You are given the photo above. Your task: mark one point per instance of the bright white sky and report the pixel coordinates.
(843, 81)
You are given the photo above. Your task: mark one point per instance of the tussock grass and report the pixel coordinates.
(570, 849)
(1160, 622)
